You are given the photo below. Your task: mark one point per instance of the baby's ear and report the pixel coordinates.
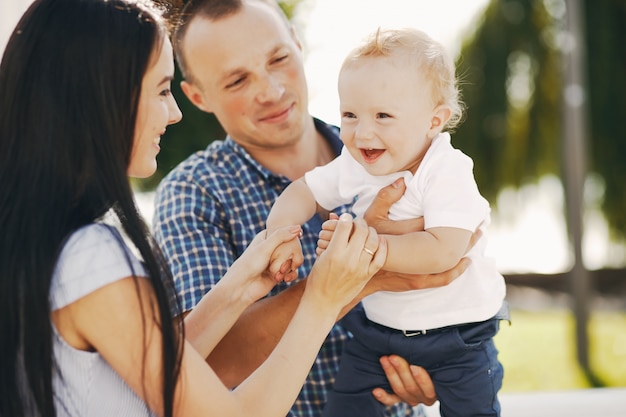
(441, 115)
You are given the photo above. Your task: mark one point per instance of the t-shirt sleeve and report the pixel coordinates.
(332, 184)
(451, 196)
(92, 257)
(195, 233)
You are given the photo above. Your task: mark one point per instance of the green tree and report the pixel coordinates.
(606, 33)
(511, 86)
(511, 83)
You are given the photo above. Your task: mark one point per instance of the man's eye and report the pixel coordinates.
(281, 58)
(236, 82)
(166, 92)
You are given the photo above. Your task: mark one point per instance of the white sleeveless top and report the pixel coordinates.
(85, 385)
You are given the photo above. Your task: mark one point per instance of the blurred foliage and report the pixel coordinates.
(196, 129)
(606, 53)
(511, 82)
(510, 71)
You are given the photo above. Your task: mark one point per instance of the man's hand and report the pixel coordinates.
(377, 215)
(411, 384)
(396, 282)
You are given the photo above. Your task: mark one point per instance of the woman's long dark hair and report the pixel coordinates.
(70, 81)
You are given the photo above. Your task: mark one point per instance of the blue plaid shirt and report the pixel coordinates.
(208, 209)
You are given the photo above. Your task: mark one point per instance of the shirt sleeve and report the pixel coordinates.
(91, 258)
(451, 196)
(188, 227)
(329, 183)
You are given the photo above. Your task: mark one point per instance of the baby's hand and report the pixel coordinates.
(286, 260)
(328, 228)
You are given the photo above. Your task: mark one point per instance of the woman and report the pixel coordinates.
(86, 326)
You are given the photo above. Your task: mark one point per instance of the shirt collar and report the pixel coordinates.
(329, 132)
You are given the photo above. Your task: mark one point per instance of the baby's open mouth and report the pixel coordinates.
(371, 155)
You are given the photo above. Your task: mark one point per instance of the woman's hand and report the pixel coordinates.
(251, 270)
(353, 255)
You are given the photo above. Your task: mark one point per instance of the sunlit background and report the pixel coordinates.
(528, 232)
(330, 28)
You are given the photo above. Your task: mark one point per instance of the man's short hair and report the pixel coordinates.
(212, 10)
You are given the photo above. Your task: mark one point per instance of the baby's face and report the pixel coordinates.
(386, 114)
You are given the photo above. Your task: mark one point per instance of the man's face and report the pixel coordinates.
(248, 72)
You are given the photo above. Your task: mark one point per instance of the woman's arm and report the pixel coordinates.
(246, 281)
(120, 322)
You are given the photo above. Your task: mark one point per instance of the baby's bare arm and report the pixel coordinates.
(429, 252)
(296, 205)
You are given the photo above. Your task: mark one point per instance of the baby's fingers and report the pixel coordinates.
(343, 229)
(276, 269)
(323, 241)
(291, 275)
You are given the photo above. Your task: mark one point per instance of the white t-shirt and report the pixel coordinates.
(85, 384)
(444, 191)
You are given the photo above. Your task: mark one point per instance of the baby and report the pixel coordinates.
(398, 100)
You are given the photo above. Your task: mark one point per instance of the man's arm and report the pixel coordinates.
(260, 327)
(199, 250)
(255, 334)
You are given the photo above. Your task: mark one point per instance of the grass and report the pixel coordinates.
(538, 351)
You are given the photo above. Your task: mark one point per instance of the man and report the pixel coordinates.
(243, 62)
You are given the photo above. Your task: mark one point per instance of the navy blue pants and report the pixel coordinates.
(461, 360)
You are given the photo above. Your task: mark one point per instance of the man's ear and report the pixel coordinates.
(194, 94)
(439, 118)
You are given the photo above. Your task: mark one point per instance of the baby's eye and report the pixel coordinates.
(383, 115)
(348, 115)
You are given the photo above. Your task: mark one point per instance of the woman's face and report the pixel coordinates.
(157, 109)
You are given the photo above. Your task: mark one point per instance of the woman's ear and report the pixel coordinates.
(441, 115)
(194, 94)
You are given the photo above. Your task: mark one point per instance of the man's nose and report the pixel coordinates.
(271, 89)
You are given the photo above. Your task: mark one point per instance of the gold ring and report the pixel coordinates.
(366, 250)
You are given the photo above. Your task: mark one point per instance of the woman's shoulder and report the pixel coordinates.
(93, 234)
(93, 256)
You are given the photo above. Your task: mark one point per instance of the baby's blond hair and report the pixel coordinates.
(430, 59)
